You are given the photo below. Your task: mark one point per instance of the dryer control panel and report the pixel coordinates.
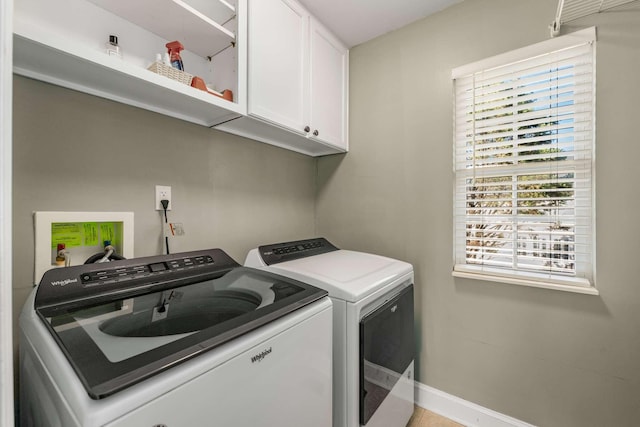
(288, 251)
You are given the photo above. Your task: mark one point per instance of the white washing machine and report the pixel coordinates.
(373, 326)
(189, 339)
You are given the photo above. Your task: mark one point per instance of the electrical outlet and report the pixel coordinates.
(163, 192)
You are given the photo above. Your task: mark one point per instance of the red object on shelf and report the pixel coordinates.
(198, 83)
(174, 48)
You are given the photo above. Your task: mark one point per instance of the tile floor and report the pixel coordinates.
(423, 418)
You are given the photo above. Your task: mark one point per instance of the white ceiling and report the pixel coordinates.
(357, 21)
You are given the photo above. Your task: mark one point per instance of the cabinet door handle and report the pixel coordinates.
(307, 128)
(316, 133)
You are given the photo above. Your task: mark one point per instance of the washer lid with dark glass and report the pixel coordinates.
(121, 322)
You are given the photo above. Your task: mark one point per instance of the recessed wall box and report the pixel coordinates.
(82, 234)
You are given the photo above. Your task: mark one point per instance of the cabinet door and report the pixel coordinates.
(278, 34)
(329, 87)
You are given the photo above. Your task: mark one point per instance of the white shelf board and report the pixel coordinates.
(271, 133)
(45, 57)
(200, 32)
(219, 11)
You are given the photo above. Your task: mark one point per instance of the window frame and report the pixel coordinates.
(584, 279)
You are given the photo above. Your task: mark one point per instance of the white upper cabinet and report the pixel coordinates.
(328, 112)
(278, 56)
(64, 42)
(297, 81)
(287, 74)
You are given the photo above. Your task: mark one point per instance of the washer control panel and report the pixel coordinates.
(288, 251)
(122, 274)
(92, 283)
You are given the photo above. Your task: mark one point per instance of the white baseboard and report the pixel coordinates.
(462, 411)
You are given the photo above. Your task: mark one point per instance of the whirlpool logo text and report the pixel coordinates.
(258, 357)
(64, 282)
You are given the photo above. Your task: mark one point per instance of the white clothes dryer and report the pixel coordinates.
(373, 326)
(189, 339)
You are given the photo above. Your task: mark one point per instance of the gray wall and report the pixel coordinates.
(75, 152)
(547, 357)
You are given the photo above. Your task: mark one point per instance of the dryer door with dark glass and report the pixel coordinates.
(386, 350)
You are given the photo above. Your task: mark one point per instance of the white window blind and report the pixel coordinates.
(570, 10)
(524, 154)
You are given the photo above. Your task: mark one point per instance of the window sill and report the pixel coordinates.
(569, 284)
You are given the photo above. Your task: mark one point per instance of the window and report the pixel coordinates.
(524, 154)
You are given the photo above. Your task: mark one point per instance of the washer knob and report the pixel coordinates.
(307, 128)
(316, 133)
